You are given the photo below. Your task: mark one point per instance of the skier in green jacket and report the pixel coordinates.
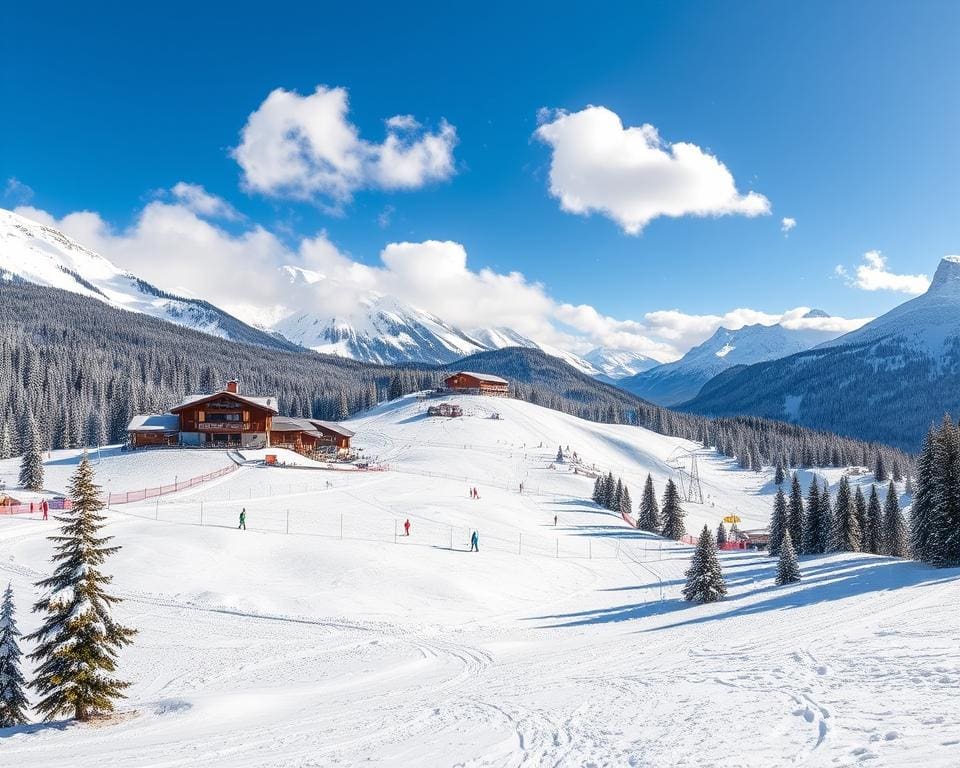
(243, 519)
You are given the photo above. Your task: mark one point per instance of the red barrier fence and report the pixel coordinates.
(28, 508)
(127, 497)
(726, 546)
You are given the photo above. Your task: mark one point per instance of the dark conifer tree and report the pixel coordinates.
(626, 505)
(846, 529)
(778, 475)
(13, 700)
(705, 583)
(31, 464)
(826, 519)
(873, 540)
(78, 639)
(779, 522)
(721, 535)
(860, 510)
(788, 568)
(598, 490)
(559, 454)
(894, 534)
(648, 518)
(810, 543)
(879, 468)
(795, 510)
(922, 509)
(617, 496)
(945, 518)
(610, 491)
(673, 514)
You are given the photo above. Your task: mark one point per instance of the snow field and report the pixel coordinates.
(261, 648)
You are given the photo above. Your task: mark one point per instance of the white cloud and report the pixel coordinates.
(632, 176)
(306, 148)
(248, 273)
(15, 192)
(787, 223)
(873, 275)
(197, 199)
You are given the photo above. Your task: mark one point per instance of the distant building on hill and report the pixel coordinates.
(445, 409)
(229, 419)
(470, 383)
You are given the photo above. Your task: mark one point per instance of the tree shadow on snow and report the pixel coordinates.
(822, 582)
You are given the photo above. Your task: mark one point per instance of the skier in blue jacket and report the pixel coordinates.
(474, 545)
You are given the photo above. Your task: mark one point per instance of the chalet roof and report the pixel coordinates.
(267, 403)
(310, 426)
(332, 426)
(154, 422)
(482, 376)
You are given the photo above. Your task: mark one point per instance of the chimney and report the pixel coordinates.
(233, 387)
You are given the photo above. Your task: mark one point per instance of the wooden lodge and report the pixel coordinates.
(470, 383)
(229, 419)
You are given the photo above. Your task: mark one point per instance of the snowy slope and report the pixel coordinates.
(319, 637)
(677, 382)
(886, 381)
(35, 253)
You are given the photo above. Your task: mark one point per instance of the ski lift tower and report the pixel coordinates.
(684, 461)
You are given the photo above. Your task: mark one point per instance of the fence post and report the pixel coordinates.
(288, 521)
(341, 526)
(451, 537)
(558, 548)
(156, 515)
(201, 513)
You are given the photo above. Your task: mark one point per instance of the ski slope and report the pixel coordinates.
(342, 643)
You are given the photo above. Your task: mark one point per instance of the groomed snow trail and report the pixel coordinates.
(337, 644)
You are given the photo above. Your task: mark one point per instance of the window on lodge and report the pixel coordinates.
(231, 417)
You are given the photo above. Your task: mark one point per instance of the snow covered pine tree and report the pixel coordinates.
(13, 701)
(31, 464)
(673, 527)
(893, 536)
(79, 639)
(788, 569)
(778, 522)
(648, 519)
(705, 582)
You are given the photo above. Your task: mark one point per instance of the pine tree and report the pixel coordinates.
(559, 454)
(13, 701)
(673, 527)
(810, 544)
(921, 511)
(343, 407)
(879, 469)
(31, 465)
(6, 444)
(617, 496)
(908, 485)
(873, 539)
(598, 492)
(846, 529)
(788, 568)
(779, 522)
(945, 518)
(860, 510)
(778, 475)
(721, 535)
(648, 518)
(826, 519)
(626, 505)
(78, 639)
(705, 582)
(894, 534)
(795, 510)
(609, 491)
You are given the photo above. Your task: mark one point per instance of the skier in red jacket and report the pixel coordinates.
(406, 528)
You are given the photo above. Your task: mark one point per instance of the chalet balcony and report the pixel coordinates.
(231, 426)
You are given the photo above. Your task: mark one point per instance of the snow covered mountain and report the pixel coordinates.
(34, 253)
(382, 329)
(681, 380)
(886, 381)
(614, 364)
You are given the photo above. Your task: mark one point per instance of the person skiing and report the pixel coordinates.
(554, 520)
(474, 542)
(31, 508)
(243, 519)
(45, 508)
(406, 528)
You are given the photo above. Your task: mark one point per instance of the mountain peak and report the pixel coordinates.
(947, 274)
(816, 313)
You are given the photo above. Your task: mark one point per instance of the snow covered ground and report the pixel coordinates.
(344, 643)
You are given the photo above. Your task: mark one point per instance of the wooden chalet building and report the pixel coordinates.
(470, 383)
(229, 419)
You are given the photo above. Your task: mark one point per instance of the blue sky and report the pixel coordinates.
(844, 116)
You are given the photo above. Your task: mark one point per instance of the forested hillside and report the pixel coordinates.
(81, 369)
